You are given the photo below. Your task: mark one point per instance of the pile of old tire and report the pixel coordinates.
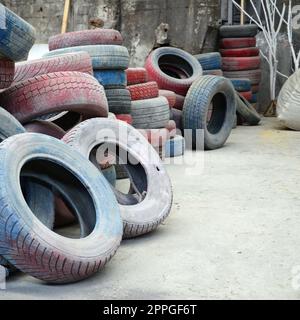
(109, 60)
(241, 59)
(174, 70)
(151, 110)
(211, 63)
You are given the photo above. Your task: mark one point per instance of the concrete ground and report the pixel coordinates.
(233, 233)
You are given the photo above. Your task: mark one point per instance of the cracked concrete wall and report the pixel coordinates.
(192, 22)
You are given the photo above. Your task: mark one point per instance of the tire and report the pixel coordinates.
(136, 76)
(170, 96)
(45, 127)
(246, 94)
(150, 113)
(111, 79)
(241, 84)
(205, 91)
(216, 72)
(253, 75)
(179, 102)
(253, 98)
(238, 64)
(238, 31)
(18, 36)
(209, 61)
(246, 111)
(121, 172)
(125, 117)
(42, 95)
(176, 115)
(68, 120)
(84, 38)
(119, 101)
(142, 91)
(173, 57)
(175, 147)
(103, 57)
(7, 71)
(80, 62)
(9, 125)
(46, 255)
(241, 52)
(255, 88)
(149, 179)
(235, 43)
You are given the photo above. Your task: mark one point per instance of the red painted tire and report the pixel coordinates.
(80, 62)
(86, 37)
(125, 117)
(234, 43)
(45, 127)
(253, 75)
(246, 94)
(7, 71)
(240, 63)
(179, 102)
(255, 88)
(171, 127)
(136, 76)
(170, 95)
(143, 91)
(240, 52)
(55, 93)
(166, 57)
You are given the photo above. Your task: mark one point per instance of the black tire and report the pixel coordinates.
(17, 37)
(150, 113)
(119, 101)
(246, 111)
(104, 57)
(204, 92)
(121, 172)
(238, 31)
(46, 255)
(209, 61)
(149, 203)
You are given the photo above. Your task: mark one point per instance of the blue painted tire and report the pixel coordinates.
(99, 215)
(254, 98)
(209, 61)
(111, 79)
(104, 57)
(16, 35)
(175, 147)
(241, 85)
(205, 91)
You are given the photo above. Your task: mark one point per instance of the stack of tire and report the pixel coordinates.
(109, 60)
(150, 108)
(174, 70)
(241, 59)
(35, 168)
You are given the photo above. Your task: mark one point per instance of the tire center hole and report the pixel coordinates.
(175, 66)
(216, 113)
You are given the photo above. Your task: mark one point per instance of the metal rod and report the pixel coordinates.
(242, 12)
(66, 16)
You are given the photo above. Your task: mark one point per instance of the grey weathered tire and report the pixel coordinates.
(45, 254)
(16, 35)
(238, 31)
(253, 75)
(246, 110)
(150, 113)
(205, 91)
(103, 56)
(119, 101)
(149, 205)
